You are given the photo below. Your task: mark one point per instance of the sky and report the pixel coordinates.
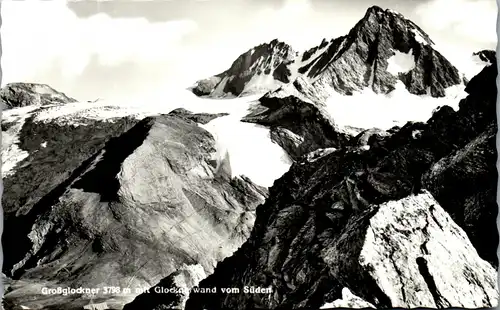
(125, 49)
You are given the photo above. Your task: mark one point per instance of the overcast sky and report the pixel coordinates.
(114, 49)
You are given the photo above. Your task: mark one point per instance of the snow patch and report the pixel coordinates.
(401, 62)
(11, 156)
(319, 153)
(45, 90)
(349, 300)
(416, 134)
(261, 83)
(418, 37)
(473, 66)
(298, 63)
(393, 12)
(251, 151)
(367, 109)
(189, 277)
(44, 144)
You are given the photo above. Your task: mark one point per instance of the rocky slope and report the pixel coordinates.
(122, 202)
(382, 49)
(380, 220)
(15, 95)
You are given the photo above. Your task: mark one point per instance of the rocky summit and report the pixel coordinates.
(122, 203)
(381, 50)
(405, 218)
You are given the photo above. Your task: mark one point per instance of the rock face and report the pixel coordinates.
(382, 49)
(119, 203)
(299, 127)
(417, 263)
(380, 221)
(15, 95)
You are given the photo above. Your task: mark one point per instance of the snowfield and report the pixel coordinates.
(401, 62)
(251, 151)
(367, 109)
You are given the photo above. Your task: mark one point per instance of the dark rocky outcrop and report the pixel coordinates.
(299, 127)
(120, 203)
(201, 118)
(488, 56)
(15, 95)
(325, 225)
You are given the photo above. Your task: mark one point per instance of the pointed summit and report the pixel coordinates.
(381, 50)
(376, 19)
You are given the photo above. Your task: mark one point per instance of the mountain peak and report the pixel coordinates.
(382, 50)
(252, 69)
(375, 9)
(377, 17)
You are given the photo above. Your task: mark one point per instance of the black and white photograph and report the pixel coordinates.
(249, 154)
